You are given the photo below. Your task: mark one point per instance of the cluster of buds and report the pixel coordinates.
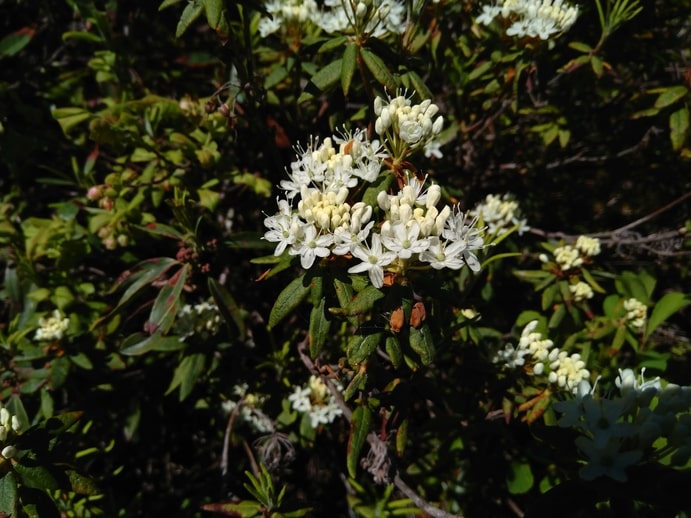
(644, 422)
(10, 427)
(405, 229)
(500, 214)
(249, 410)
(53, 327)
(561, 369)
(636, 313)
(407, 127)
(532, 18)
(571, 257)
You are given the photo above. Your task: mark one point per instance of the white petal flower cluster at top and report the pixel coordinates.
(562, 370)
(532, 18)
(203, 320)
(636, 313)
(374, 17)
(405, 228)
(618, 431)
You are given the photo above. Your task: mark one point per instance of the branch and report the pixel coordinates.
(378, 461)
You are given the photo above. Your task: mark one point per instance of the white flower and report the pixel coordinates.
(567, 371)
(532, 18)
(53, 327)
(404, 239)
(443, 255)
(373, 260)
(311, 245)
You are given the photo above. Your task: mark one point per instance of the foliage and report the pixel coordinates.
(378, 258)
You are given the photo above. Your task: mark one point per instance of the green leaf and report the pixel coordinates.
(62, 422)
(520, 478)
(679, 127)
(319, 328)
(669, 304)
(333, 44)
(357, 383)
(68, 118)
(186, 374)
(139, 343)
(289, 299)
(81, 484)
(13, 43)
(348, 66)
(417, 84)
(148, 271)
(669, 95)
(360, 347)
(9, 496)
(362, 302)
(393, 350)
(402, 437)
(322, 80)
(378, 68)
(359, 428)
(581, 47)
(38, 477)
(422, 343)
(168, 303)
(168, 3)
(216, 17)
(192, 11)
(245, 509)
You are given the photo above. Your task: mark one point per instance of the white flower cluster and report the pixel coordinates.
(619, 431)
(53, 327)
(581, 291)
(570, 257)
(408, 127)
(316, 400)
(202, 320)
(563, 370)
(501, 214)
(10, 427)
(533, 18)
(636, 313)
(285, 13)
(327, 221)
(376, 18)
(249, 411)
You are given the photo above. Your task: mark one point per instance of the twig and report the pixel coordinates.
(380, 458)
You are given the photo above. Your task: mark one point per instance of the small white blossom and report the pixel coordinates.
(636, 313)
(532, 18)
(500, 214)
(373, 260)
(316, 400)
(589, 246)
(53, 327)
(581, 291)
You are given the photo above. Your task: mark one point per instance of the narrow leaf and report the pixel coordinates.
(421, 342)
(378, 68)
(191, 12)
(168, 303)
(362, 302)
(359, 428)
(360, 348)
(669, 96)
(679, 127)
(348, 66)
(290, 298)
(319, 328)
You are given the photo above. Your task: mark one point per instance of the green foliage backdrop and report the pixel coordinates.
(160, 355)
